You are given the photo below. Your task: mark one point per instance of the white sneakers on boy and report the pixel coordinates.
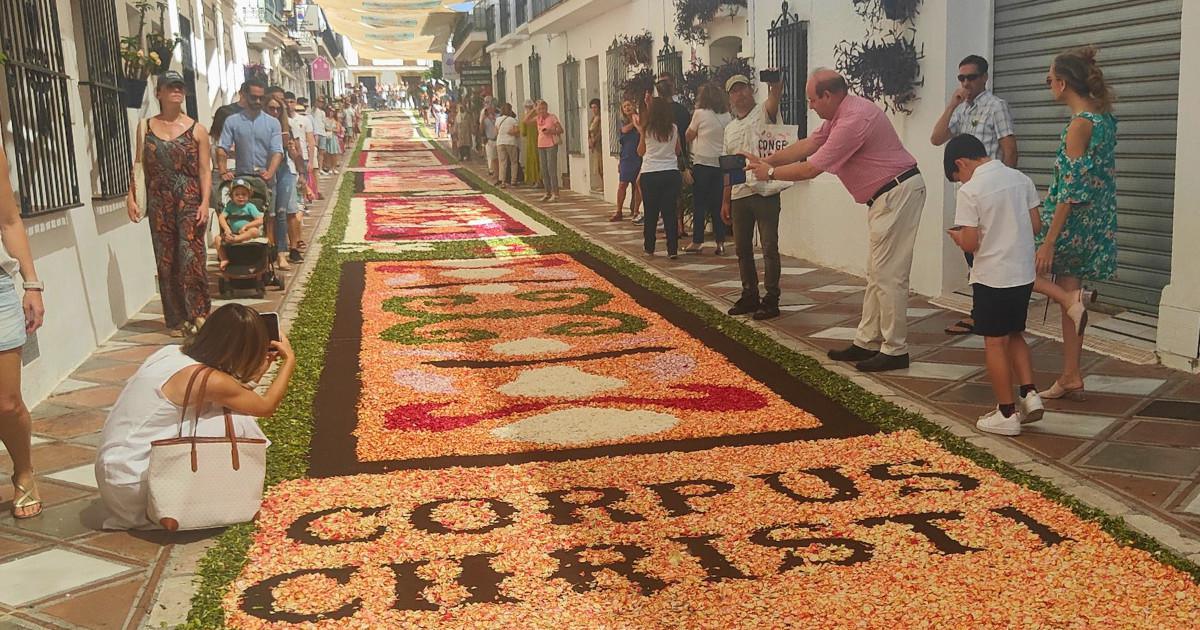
(1031, 408)
(995, 422)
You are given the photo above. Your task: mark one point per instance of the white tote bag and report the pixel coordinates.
(139, 169)
(201, 482)
(771, 139)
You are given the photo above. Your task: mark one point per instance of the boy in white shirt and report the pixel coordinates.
(996, 218)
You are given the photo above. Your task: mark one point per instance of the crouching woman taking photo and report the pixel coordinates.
(235, 343)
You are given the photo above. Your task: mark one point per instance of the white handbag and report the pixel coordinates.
(139, 169)
(201, 482)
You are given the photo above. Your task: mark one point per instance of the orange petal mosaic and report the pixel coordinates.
(399, 159)
(411, 182)
(881, 531)
(532, 353)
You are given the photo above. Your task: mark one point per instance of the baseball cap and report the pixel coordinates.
(734, 80)
(170, 77)
(240, 183)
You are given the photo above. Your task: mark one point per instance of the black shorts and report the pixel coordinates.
(1000, 312)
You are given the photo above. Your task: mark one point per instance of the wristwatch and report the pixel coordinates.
(771, 173)
(33, 286)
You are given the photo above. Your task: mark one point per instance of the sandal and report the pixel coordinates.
(301, 245)
(961, 327)
(616, 217)
(26, 498)
(1058, 392)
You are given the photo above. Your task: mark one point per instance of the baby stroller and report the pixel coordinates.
(252, 263)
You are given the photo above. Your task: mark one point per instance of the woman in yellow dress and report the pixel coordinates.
(529, 131)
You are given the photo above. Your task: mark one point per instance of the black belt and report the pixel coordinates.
(901, 178)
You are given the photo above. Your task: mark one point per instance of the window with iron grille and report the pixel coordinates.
(618, 71)
(110, 129)
(490, 16)
(502, 84)
(787, 49)
(504, 24)
(570, 83)
(535, 74)
(521, 12)
(671, 60)
(47, 179)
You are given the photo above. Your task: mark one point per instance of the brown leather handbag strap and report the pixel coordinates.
(187, 397)
(196, 422)
(237, 462)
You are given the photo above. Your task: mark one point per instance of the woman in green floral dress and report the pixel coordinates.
(1078, 239)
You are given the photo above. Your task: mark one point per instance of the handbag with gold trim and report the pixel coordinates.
(201, 482)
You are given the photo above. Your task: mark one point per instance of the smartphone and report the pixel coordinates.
(732, 162)
(770, 76)
(272, 322)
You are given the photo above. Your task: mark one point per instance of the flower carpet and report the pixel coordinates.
(411, 182)
(394, 144)
(511, 428)
(400, 159)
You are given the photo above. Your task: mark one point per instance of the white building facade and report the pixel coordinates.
(560, 50)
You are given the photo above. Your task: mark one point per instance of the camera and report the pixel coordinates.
(770, 76)
(732, 162)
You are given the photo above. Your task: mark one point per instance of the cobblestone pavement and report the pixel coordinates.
(1133, 448)
(57, 570)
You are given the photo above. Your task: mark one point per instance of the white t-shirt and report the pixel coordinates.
(301, 126)
(741, 136)
(318, 123)
(710, 136)
(660, 156)
(504, 125)
(997, 200)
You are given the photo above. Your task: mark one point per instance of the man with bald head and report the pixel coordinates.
(858, 144)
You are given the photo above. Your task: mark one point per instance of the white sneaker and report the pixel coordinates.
(1031, 408)
(995, 422)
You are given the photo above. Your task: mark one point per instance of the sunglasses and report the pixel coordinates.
(273, 108)
(968, 77)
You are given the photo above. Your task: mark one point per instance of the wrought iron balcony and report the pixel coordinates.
(542, 6)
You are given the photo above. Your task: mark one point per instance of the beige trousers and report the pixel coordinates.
(892, 225)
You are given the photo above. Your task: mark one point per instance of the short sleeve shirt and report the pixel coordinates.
(255, 139)
(986, 118)
(710, 136)
(239, 216)
(741, 136)
(545, 140)
(860, 146)
(301, 126)
(997, 200)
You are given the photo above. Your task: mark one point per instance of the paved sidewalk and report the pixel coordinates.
(57, 570)
(1137, 436)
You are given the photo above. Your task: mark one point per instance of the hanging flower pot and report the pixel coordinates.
(133, 92)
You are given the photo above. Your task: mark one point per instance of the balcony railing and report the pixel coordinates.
(542, 6)
(268, 12)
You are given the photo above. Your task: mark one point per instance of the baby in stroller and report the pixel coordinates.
(240, 220)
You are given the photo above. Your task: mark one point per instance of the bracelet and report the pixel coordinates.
(33, 286)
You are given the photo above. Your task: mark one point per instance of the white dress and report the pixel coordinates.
(141, 415)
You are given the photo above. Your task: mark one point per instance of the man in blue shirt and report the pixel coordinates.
(256, 138)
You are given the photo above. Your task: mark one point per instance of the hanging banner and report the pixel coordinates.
(321, 70)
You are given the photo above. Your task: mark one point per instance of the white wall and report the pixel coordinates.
(98, 267)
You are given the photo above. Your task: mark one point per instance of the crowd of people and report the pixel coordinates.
(1015, 243)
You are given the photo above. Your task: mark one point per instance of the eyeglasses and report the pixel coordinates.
(968, 77)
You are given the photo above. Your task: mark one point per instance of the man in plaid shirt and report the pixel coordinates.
(976, 111)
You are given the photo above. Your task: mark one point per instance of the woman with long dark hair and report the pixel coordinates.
(174, 151)
(706, 136)
(235, 343)
(1078, 241)
(660, 180)
(285, 188)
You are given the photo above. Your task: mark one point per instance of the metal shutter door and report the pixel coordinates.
(1139, 53)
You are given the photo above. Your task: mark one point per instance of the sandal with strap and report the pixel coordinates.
(26, 498)
(1057, 392)
(960, 327)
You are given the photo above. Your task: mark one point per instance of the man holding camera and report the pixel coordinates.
(859, 145)
(742, 205)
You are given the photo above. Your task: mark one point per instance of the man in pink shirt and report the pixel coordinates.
(858, 144)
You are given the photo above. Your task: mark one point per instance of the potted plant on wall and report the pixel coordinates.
(141, 60)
